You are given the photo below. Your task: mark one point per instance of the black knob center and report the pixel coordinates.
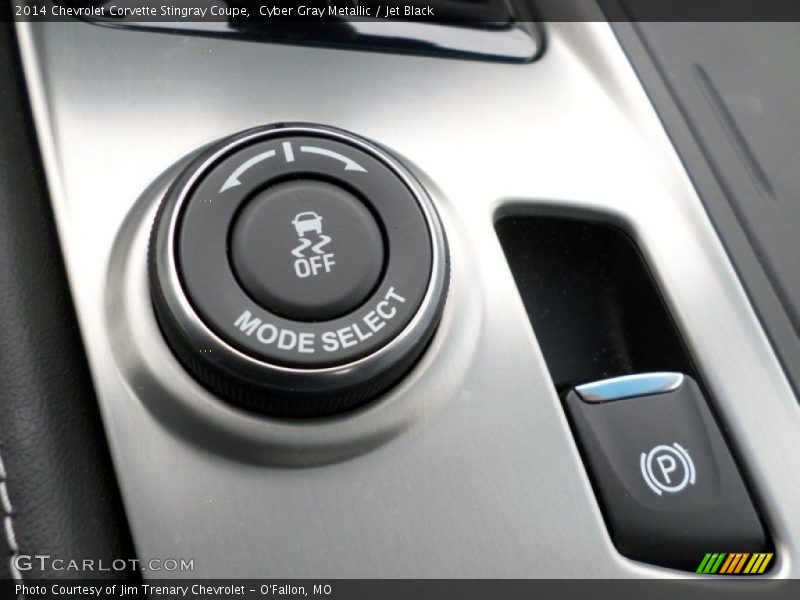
(307, 250)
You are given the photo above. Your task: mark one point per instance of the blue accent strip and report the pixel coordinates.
(629, 386)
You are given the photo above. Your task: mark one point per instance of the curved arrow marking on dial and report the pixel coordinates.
(349, 163)
(233, 180)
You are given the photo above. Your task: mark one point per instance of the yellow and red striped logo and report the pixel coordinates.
(734, 563)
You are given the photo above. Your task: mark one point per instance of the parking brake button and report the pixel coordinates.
(668, 485)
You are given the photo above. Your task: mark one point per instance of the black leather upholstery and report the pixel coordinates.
(58, 475)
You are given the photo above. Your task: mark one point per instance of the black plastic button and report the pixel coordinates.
(668, 485)
(307, 250)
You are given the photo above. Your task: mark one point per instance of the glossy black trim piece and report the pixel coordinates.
(740, 166)
(506, 33)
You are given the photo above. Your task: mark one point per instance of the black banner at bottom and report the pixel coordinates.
(729, 588)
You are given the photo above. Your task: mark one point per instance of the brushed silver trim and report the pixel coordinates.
(468, 467)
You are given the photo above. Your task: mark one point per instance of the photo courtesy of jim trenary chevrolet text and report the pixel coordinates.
(389, 299)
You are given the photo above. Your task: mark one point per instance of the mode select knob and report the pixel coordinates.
(297, 270)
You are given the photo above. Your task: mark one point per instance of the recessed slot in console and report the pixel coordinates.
(667, 483)
(591, 300)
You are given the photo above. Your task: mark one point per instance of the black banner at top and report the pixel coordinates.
(490, 13)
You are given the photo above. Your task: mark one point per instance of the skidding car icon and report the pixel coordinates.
(307, 221)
